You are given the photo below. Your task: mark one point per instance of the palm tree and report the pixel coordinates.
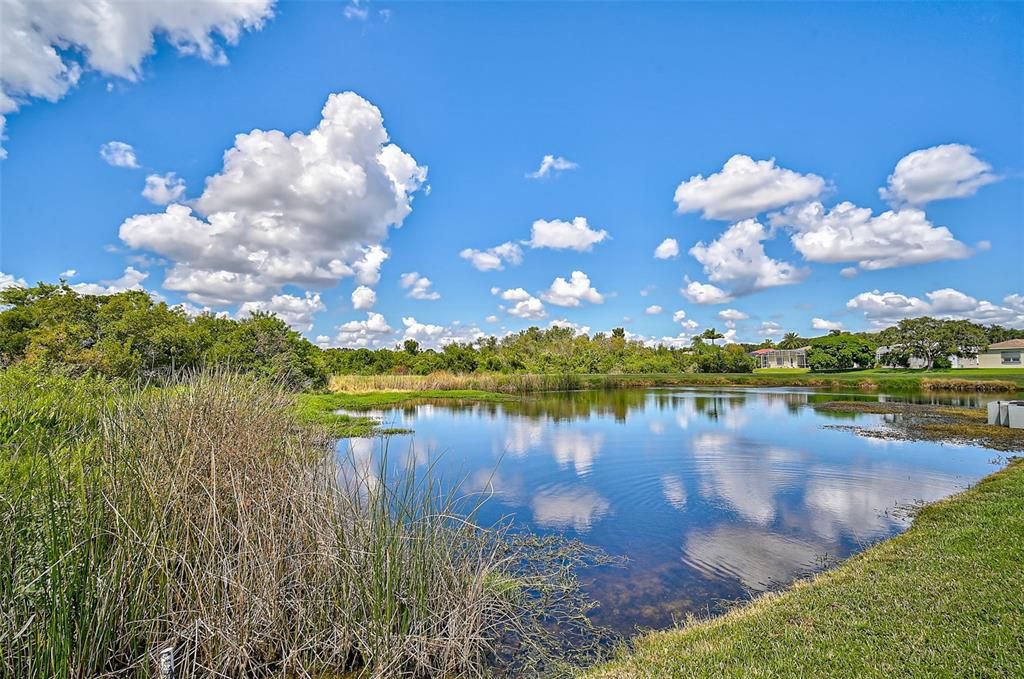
(712, 335)
(790, 340)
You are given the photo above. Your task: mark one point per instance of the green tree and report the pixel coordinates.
(930, 339)
(842, 351)
(712, 334)
(790, 340)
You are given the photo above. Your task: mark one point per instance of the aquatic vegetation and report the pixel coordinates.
(916, 422)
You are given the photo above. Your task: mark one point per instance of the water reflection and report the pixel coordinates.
(758, 560)
(568, 507)
(711, 494)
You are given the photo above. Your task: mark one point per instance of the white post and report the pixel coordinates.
(167, 663)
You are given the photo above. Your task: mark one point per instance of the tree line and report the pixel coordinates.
(131, 335)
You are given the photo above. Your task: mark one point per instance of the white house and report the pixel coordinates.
(781, 358)
(1006, 354)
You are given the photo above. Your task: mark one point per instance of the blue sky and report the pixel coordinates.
(824, 100)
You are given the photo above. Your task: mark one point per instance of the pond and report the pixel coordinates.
(712, 495)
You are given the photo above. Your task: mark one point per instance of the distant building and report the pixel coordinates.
(884, 358)
(780, 358)
(1006, 354)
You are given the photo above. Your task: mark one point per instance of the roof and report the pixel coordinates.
(768, 351)
(1008, 344)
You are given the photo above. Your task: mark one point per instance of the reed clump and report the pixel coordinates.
(956, 384)
(201, 516)
(514, 383)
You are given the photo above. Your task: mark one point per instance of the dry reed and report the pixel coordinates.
(444, 381)
(201, 516)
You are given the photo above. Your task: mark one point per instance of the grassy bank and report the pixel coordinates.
(942, 600)
(443, 381)
(320, 409)
(1004, 381)
(204, 517)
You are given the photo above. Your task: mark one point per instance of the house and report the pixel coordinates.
(780, 358)
(883, 359)
(1008, 354)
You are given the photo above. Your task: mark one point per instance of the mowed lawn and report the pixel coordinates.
(944, 599)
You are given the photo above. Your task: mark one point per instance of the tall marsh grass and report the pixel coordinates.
(202, 517)
(957, 384)
(444, 381)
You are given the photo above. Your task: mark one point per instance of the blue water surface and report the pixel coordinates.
(712, 495)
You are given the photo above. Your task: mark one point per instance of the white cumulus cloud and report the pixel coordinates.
(744, 188)
(303, 209)
(559, 235)
(9, 281)
(705, 293)
(667, 249)
(848, 233)
(573, 292)
(46, 46)
(434, 336)
(297, 312)
(118, 154)
(575, 327)
(524, 305)
(494, 259)
(363, 298)
(418, 286)
(882, 309)
(822, 324)
(131, 279)
(357, 10)
(653, 310)
(732, 315)
(162, 189)
(945, 171)
(552, 166)
(372, 332)
(737, 259)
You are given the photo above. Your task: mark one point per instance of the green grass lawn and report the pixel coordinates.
(1015, 374)
(944, 599)
(319, 408)
(781, 371)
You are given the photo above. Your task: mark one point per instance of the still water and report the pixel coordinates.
(712, 495)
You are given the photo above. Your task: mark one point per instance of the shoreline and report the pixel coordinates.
(869, 604)
(942, 598)
(355, 393)
(920, 422)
